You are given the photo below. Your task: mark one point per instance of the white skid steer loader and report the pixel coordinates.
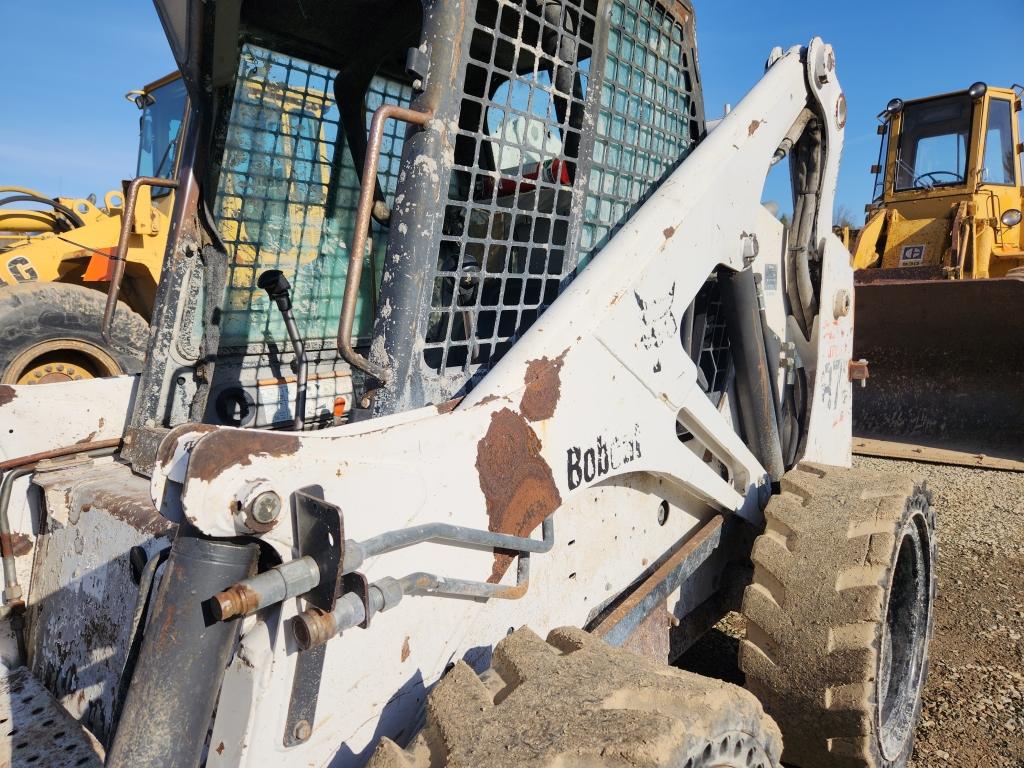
(469, 334)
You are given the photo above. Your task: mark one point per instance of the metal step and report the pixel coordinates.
(36, 731)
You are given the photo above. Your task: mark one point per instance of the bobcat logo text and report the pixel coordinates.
(586, 464)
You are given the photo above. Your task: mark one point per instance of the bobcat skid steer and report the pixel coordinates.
(468, 335)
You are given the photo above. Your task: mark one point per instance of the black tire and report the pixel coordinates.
(61, 322)
(575, 701)
(840, 614)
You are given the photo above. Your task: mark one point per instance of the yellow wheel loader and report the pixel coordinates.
(940, 284)
(59, 256)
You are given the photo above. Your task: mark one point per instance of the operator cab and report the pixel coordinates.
(480, 217)
(945, 161)
(955, 143)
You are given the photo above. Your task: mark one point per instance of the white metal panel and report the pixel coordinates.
(41, 418)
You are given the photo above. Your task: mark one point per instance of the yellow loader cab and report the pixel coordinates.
(58, 258)
(940, 276)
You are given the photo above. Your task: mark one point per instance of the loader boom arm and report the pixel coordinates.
(597, 345)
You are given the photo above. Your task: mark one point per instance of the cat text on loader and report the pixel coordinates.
(488, 341)
(940, 283)
(58, 261)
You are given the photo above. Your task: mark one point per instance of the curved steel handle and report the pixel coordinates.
(362, 230)
(127, 221)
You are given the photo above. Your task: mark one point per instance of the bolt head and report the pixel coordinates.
(841, 111)
(266, 507)
(843, 304)
(303, 730)
(663, 513)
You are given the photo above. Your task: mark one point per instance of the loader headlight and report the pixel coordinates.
(977, 90)
(1011, 218)
(894, 107)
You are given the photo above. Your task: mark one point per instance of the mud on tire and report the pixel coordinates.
(839, 615)
(574, 701)
(40, 316)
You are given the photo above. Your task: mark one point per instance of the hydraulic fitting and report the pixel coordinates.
(290, 579)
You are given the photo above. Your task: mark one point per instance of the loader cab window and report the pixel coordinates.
(506, 231)
(524, 150)
(163, 110)
(1020, 135)
(1000, 153)
(934, 144)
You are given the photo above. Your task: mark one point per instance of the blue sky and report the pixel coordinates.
(67, 129)
(905, 48)
(66, 66)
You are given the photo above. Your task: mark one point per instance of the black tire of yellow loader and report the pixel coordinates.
(576, 702)
(840, 614)
(42, 323)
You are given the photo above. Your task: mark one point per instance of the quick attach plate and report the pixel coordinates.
(320, 534)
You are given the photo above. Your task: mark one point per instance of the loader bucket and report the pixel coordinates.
(946, 361)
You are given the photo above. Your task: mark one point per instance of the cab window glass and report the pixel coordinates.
(159, 127)
(523, 129)
(934, 144)
(1020, 134)
(998, 167)
(287, 195)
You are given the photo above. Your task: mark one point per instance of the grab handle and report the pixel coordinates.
(362, 229)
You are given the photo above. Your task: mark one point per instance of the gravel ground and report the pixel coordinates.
(974, 701)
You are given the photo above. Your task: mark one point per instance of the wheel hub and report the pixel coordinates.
(60, 360)
(904, 640)
(53, 373)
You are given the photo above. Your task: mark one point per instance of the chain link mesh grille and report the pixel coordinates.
(546, 170)
(286, 200)
(287, 196)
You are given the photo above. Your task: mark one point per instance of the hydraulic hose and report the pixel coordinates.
(753, 371)
(73, 217)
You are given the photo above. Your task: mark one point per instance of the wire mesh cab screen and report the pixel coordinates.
(286, 200)
(562, 132)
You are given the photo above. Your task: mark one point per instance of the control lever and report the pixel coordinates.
(278, 289)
